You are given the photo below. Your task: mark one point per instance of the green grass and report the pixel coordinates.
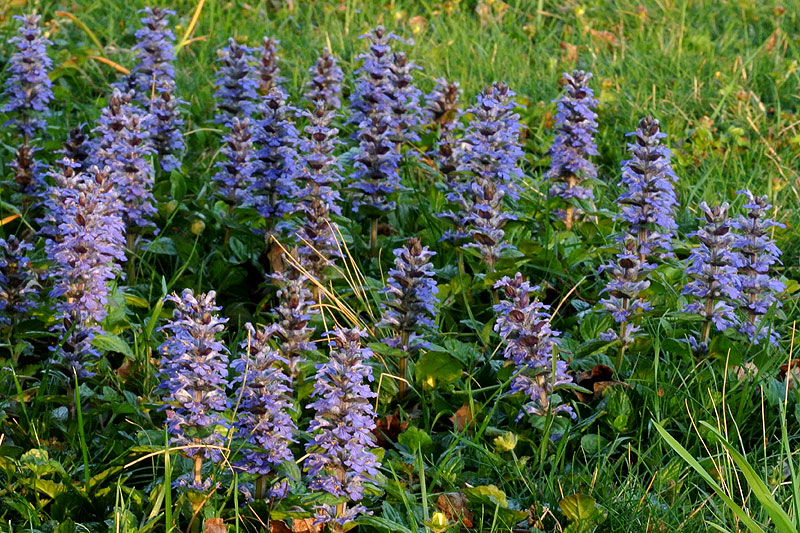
(722, 77)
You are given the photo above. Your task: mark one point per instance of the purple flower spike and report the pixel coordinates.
(411, 302)
(167, 137)
(624, 289)
(374, 76)
(276, 140)
(649, 201)
(28, 88)
(27, 170)
(491, 159)
(713, 267)
(78, 148)
(235, 82)
(263, 419)
(339, 459)
(235, 174)
(574, 144)
(403, 99)
(194, 378)
(18, 287)
(326, 81)
(267, 69)
(319, 179)
(757, 253)
(441, 105)
(155, 53)
(524, 325)
(485, 222)
(376, 174)
(86, 246)
(442, 108)
(124, 146)
(29, 91)
(294, 312)
(492, 138)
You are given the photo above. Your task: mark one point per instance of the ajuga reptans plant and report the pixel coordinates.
(576, 124)
(28, 91)
(194, 379)
(236, 170)
(18, 286)
(326, 81)
(715, 285)
(268, 73)
(339, 458)
(263, 418)
(410, 305)
(531, 344)
(757, 254)
(86, 248)
(235, 82)
(294, 312)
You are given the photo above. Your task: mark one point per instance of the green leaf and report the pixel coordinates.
(437, 368)
(162, 246)
(684, 453)
(584, 513)
(414, 438)
(487, 495)
(112, 343)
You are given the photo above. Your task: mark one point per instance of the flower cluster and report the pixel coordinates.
(18, 288)
(757, 253)
(531, 344)
(263, 420)
(28, 88)
(319, 178)
(29, 91)
(276, 140)
(491, 158)
(375, 174)
(235, 175)
(376, 106)
(27, 170)
(267, 69)
(411, 296)
(124, 146)
(441, 107)
(155, 53)
(624, 291)
(194, 378)
(339, 459)
(86, 246)
(649, 201)
(235, 83)
(374, 76)
(574, 143)
(713, 266)
(166, 134)
(403, 99)
(294, 311)
(78, 148)
(326, 81)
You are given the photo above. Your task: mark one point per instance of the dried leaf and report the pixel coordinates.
(454, 507)
(215, 525)
(387, 430)
(462, 418)
(279, 526)
(305, 525)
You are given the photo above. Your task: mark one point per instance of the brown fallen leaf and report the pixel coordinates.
(215, 525)
(462, 417)
(387, 429)
(279, 526)
(597, 381)
(305, 525)
(454, 507)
